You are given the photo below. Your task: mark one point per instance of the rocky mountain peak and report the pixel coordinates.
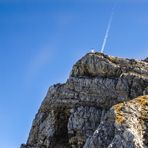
(99, 106)
(99, 64)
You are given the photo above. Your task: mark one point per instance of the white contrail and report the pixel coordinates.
(107, 30)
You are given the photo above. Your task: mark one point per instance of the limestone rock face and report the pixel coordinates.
(124, 125)
(103, 104)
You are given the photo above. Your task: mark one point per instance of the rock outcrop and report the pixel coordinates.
(103, 104)
(146, 59)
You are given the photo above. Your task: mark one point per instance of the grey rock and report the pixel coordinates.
(146, 59)
(124, 126)
(94, 108)
(82, 123)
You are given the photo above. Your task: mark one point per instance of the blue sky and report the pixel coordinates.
(40, 40)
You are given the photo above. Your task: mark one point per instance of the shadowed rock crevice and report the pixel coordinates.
(145, 136)
(61, 134)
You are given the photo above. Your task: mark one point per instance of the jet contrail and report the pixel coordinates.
(108, 29)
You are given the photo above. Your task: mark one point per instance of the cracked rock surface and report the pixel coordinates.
(103, 104)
